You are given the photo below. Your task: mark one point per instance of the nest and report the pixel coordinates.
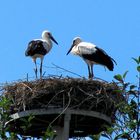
(66, 93)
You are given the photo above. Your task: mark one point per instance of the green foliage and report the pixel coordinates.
(49, 134)
(122, 136)
(4, 115)
(138, 68)
(119, 78)
(5, 105)
(137, 60)
(127, 125)
(27, 122)
(95, 137)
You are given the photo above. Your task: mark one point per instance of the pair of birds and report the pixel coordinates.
(90, 53)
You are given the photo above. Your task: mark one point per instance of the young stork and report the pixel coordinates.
(38, 48)
(91, 55)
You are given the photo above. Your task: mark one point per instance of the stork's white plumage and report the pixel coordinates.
(91, 55)
(38, 48)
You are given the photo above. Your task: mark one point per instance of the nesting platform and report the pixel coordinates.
(88, 105)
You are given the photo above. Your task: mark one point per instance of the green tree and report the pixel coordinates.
(4, 118)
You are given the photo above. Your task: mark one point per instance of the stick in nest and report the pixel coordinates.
(69, 101)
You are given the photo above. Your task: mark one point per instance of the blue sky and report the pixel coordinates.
(112, 25)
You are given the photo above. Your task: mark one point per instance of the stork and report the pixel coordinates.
(91, 54)
(38, 48)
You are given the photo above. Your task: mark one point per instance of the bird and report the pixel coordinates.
(91, 54)
(38, 48)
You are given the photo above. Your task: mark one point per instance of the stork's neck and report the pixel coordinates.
(45, 38)
(48, 41)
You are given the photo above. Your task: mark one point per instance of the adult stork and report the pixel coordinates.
(38, 48)
(91, 55)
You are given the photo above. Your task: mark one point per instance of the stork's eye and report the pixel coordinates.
(49, 33)
(75, 42)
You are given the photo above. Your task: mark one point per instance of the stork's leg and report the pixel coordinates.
(41, 68)
(35, 69)
(92, 75)
(89, 73)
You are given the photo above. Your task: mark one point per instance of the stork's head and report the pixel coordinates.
(47, 35)
(75, 42)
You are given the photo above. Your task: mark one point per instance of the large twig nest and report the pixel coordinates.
(66, 93)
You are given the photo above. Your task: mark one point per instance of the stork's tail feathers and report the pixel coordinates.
(110, 64)
(105, 59)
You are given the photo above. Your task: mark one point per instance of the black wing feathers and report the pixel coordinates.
(35, 47)
(101, 57)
